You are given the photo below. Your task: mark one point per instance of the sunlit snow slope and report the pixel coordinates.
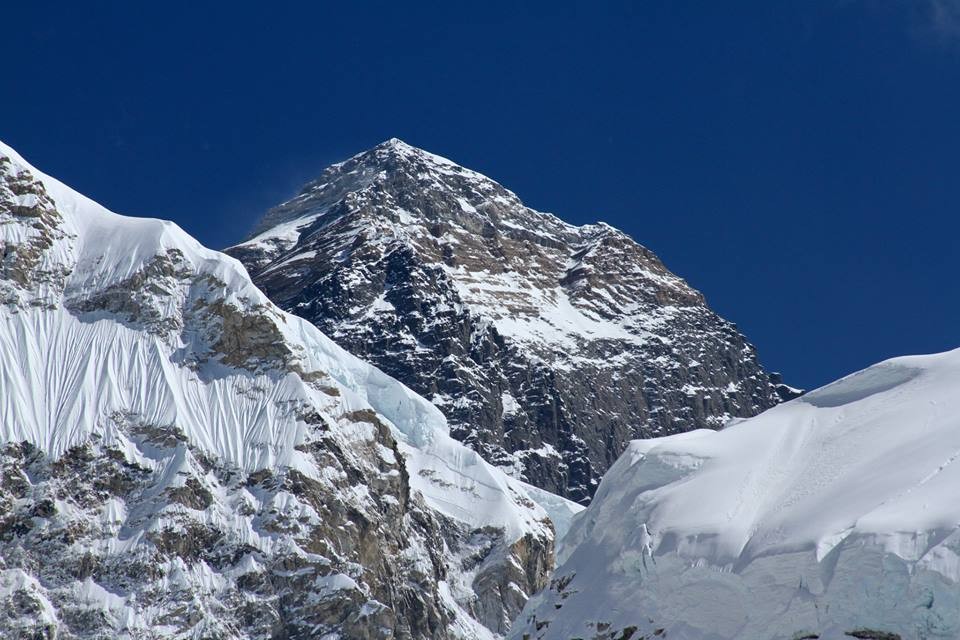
(180, 458)
(832, 516)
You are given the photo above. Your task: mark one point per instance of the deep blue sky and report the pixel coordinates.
(796, 161)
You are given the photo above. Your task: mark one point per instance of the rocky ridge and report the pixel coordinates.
(547, 346)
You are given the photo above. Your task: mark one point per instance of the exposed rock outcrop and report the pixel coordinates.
(547, 346)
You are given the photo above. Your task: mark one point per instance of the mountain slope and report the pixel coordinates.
(182, 459)
(547, 346)
(831, 516)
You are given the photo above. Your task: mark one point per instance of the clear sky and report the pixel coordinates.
(798, 162)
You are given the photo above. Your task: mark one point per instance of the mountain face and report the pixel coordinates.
(181, 459)
(833, 516)
(547, 346)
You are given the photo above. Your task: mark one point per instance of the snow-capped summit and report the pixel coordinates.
(548, 346)
(833, 516)
(179, 458)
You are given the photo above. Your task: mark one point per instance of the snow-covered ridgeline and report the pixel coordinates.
(832, 516)
(118, 333)
(118, 368)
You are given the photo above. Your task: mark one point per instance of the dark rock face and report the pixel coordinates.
(25, 280)
(547, 346)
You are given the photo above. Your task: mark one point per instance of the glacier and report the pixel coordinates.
(832, 516)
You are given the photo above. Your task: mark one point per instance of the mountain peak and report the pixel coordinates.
(390, 177)
(398, 144)
(395, 148)
(397, 248)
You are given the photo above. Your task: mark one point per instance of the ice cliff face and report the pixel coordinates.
(547, 346)
(833, 516)
(181, 459)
